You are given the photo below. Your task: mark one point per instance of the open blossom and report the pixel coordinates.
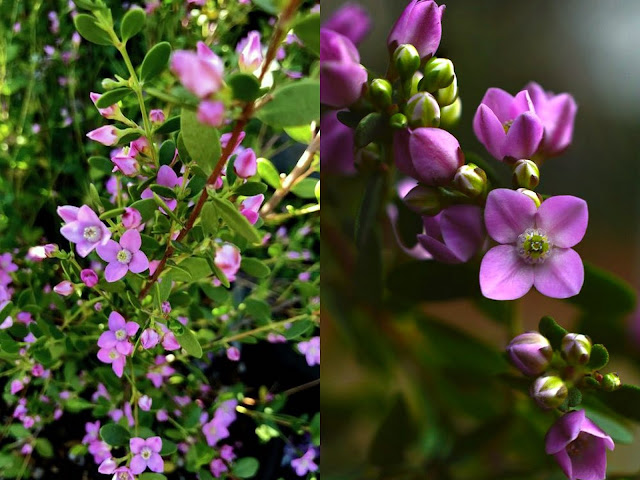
(535, 246)
(250, 53)
(125, 161)
(508, 126)
(557, 114)
(149, 338)
(118, 334)
(107, 135)
(311, 350)
(350, 20)
(144, 402)
(228, 260)
(124, 256)
(218, 467)
(84, 228)
(250, 207)
(305, 463)
(419, 25)
(146, 453)
(579, 446)
(200, 72)
(215, 430)
(167, 178)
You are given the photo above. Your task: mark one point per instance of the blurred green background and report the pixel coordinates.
(584, 47)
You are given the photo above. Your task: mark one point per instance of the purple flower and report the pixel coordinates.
(419, 25)
(106, 135)
(211, 113)
(579, 446)
(233, 354)
(508, 126)
(115, 358)
(144, 402)
(530, 352)
(131, 218)
(156, 116)
(93, 430)
(112, 111)
(430, 155)
(200, 72)
(250, 207)
(337, 145)
(84, 228)
(118, 334)
(16, 386)
(149, 338)
(125, 161)
(214, 431)
(305, 463)
(146, 454)
(226, 453)
(341, 75)
(167, 178)
(454, 235)
(124, 256)
(557, 114)
(89, 277)
(535, 246)
(350, 20)
(218, 467)
(228, 260)
(311, 350)
(250, 52)
(245, 164)
(64, 288)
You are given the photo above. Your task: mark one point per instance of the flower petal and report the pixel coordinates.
(136, 444)
(138, 464)
(499, 102)
(463, 230)
(489, 130)
(438, 250)
(564, 219)
(131, 328)
(139, 262)
(73, 231)
(524, 136)
(591, 463)
(504, 275)
(155, 463)
(167, 177)
(116, 321)
(508, 214)
(131, 240)
(563, 459)
(155, 443)
(564, 431)
(561, 275)
(109, 251)
(118, 366)
(115, 271)
(107, 340)
(591, 428)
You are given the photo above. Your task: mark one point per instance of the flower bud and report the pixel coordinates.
(549, 392)
(448, 95)
(399, 121)
(450, 115)
(407, 60)
(530, 353)
(537, 199)
(233, 354)
(526, 174)
(64, 288)
(610, 382)
(420, 24)
(131, 218)
(250, 57)
(422, 110)
(381, 92)
(156, 116)
(246, 164)
(51, 250)
(414, 84)
(144, 402)
(89, 277)
(110, 84)
(576, 348)
(107, 135)
(438, 73)
(424, 200)
(149, 338)
(470, 180)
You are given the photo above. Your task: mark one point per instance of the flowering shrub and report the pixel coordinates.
(437, 222)
(172, 326)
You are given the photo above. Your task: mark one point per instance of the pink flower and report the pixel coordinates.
(200, 72)
(125, 161)
(250, 53)
(217, 467)
(305, 463)
(214, 431)
(64, 288)
(113, 357)
(112, 111)
(245, 164)
(144, 402)
(124, 256)
(156, 116)
(311, 350)
(89, 277)
(420, 25)
(233, 354)
(350, 20)
(250, 207)
(84, 228)
(107, 135)
(146, 454)
(123, 473)
(118, 334)
(131, 218)
(228, 260)
(579, 446)
(211, 113)
(149, 338)
(93, 432)
(167, 178)
(16, 386)
(108, 466)
(535, 246)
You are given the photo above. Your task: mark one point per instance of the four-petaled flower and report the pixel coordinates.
(535, 246)
(146, 454)
(305, 463)
(124, 256)
(84, 228)
(118, 334)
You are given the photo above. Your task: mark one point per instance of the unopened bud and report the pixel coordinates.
(381, 92)
(110, 84)
(422, 110)
(450, 115)
(549, 392)
(470, 180)
(537, 199)
(576, 348)
(425, 200)
(51, 250)
(448, 95)
(415, 83)
(610, 382)
(407, 60)
(438, 73)
(526, 174)
(398, 120)
(530, 353)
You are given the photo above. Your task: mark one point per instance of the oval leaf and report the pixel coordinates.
(115, 435)
(112, 96)
(293, 105)
(155, 61)
(201, 141)
(235, 220)
(190, 343)
(87, 26)
(255, 267)
(132, 23)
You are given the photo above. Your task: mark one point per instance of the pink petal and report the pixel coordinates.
(138, 465)
(489, 130)
(564, 431)
(131, 240)
(504, 275)
(508, 214)
(109, 251)
(68, 213)
(524, 136)
(136, 444)
(402, 154)
(115, 271)
(155, 443)
(131, 328)
(118, 366)
(107, 340)
(521, 103)
(591, 463)
(103, 355)
(167, 177)
(155, 463)
(499, 102)
(563, 459)
(86, 215)
(438, 250)
(124, 348)
(139, 262)
(73, 232)
(462, 229)
(561, 275)
(591, 428)
(116, 321)
(564, 219)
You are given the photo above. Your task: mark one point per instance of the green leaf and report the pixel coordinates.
(433, 281)
(549, 328)
(44, 448)
(625, 401)
(301, 134)
(132, 23)
(197, 267)
(369, 129)
(163, 191)
(168, 447)
(115, 435)
(167, 152)
(245, 467)
(190, 343)
(151, 476)
(147, 207)
(102, 164)
(201, 141)
(87, 26)
(209, 219)
(171, 125)
(258, 309)
(613, 424)
(112, 97)
(251, 188)
(155, 61)
(220, 275)
(267, 5)
(77, 405)
(605, 293)
(245, 87)
(297, 329)
(235, 220)
(269, 173)
(599, 357)
(306, 188)
(112, 213)
(255, 267)
(308, 31)
(295, 104)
